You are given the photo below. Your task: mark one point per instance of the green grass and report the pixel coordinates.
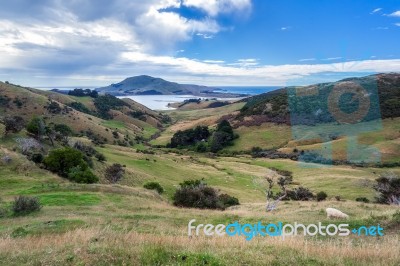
(114, 124)
(197, 114)
(266, 136)
(69, 199)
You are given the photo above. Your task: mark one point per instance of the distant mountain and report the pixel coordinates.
(147, 85)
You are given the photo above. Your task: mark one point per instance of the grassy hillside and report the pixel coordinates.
(130, 119)
(126, 224)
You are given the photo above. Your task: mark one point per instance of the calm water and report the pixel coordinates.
(160, 102)
(248, 90)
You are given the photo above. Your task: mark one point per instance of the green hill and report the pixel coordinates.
(100, 116)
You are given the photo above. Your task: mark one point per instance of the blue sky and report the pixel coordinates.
(210, 42)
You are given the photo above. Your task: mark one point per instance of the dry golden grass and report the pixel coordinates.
(105, 246)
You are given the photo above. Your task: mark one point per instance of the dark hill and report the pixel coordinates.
(147, 85)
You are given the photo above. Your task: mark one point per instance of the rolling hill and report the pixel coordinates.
(99, 117)
(147, 85)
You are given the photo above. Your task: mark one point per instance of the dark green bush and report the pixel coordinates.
(196, 194)
(321, 196)
(202, 197)
(201, 147)
(36, 157)
(362, 199)
(23, 205)
(70, 163)
(79, 175)
(100, 157)
(297, 194)
(189, 137)
(62, 160)
(154, 186)
(228, 201)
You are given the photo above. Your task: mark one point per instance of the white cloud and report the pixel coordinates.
(397, 24)
(395, 14)
(376, 10)
(73, 45)
(286, 28)
(332, 58)
(205, 36)
(216, 7)
(214, 61)
(307, 59)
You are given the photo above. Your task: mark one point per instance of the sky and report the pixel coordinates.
(207, 42)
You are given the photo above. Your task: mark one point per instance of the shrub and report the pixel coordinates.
(54, 108)
(256, 152)
(227, 200)
(62, 129)
(100, 157)
(362, 199)
(28, 145)
(36, 127)
(62, 160)
(79, 175)
(107, 102)
(36, 158)
(388, 188)
(24, 205)
(13, 124)
(114, 173)
(201, 147)
(85, 149)
(321, 196)
(154, 186)
(80, 107)
(202, 197)
(298, 194)
(189, 137)
(196, 194)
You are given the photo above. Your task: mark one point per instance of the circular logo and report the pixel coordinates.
(358, 93)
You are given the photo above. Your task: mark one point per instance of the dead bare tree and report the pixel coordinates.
(283, 181)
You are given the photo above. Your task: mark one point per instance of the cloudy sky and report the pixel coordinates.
(210, 42)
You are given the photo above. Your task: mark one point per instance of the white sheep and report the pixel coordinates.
(334, 213)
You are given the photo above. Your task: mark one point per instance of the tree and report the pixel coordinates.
(388, 188)
(36, 127)
(225, 126)
(283, 182)
(114, 173)
(13, 124)
(62, 132)
(62, 160)
(190, 136)
(222, 136)
(28, 145)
